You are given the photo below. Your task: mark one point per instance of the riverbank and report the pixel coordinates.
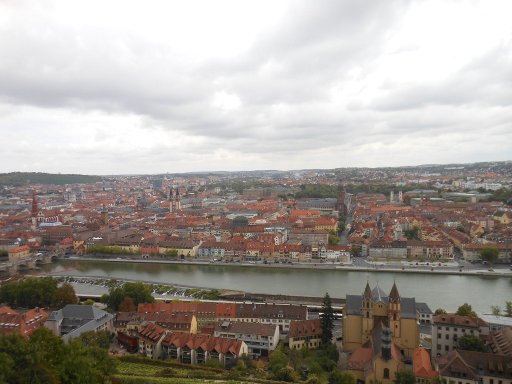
(95, 286)
(452, 268)
(439, 290)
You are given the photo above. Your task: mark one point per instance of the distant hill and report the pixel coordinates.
(24, 178)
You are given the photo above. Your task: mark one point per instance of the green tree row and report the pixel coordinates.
(108, 249)
(496, 309)
(37, 292)
(44, 358)
(128, 296)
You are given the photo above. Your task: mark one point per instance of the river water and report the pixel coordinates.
(438, 291)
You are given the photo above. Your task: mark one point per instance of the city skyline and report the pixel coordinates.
(122, 88)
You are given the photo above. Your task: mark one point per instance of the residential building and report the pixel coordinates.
(425, 314)
(274, 314)
(74, 319)
(470, 367)
(261, 339)
(24, 324)
(200, 348)
(447, 329)
(305, 333)
(500, 342)
(497, 323)
(388, 250)
(132, 322)
(150, 338)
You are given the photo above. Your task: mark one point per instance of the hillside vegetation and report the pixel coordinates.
(24, 178)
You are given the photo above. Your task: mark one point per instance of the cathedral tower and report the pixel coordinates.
(394, 308)
(367, 311)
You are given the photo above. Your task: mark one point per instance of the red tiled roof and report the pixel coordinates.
(422, 366)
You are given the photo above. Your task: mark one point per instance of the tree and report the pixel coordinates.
(508, 308)
(277, 361)
(465, 310)
(327, 319)
(44, 358)
(337, 377)
(99, 339)
(413, 233)
(127, 305)
(472, 343)
(496, 310)
(440, 311)
(138, 292)
(489, 254)
(64, 295)
(405, 377)
(171, 253)
(6, 368)
(29, 293)
(333, 239)
(286, 374)
(355, 250)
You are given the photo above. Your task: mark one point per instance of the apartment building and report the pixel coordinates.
(447, 329)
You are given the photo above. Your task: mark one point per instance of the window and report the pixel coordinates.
(386, 373)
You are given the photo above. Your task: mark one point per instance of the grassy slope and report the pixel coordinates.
(139, 370)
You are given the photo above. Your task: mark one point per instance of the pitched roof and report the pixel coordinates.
(461, 321)
(244, 328)
(422, 366)
(394, 296)
(474, 364)
(305, 328)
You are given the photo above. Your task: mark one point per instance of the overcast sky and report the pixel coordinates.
(107, 87)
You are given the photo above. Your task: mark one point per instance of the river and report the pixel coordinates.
(438, 291)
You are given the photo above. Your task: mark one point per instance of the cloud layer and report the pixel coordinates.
(129, 87)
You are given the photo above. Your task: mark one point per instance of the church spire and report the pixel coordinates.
(394, 296)
(367, 291)
(35, 208)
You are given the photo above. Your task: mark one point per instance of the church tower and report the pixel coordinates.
(172, 197)
(35, 210)
(178, 200)
(394, 308)
(340, 204)
(367, 311)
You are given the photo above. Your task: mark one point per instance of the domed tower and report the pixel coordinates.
(394, 308)
(367, 312)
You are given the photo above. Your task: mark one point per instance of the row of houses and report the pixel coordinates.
(202, 313)
(304, 249)
(284, 253)
(411, 249)
(228, 341)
